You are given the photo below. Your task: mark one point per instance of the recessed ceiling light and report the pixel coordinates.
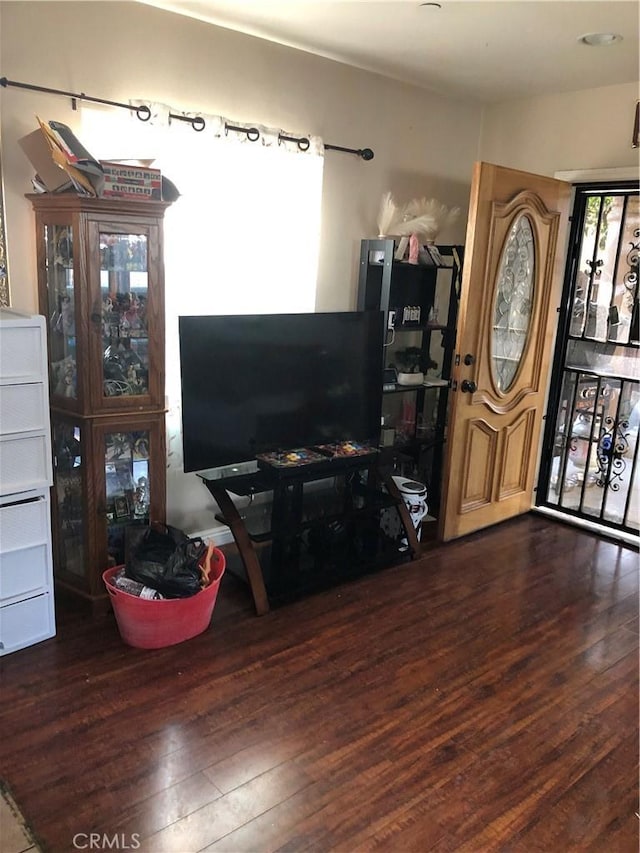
(600, 39)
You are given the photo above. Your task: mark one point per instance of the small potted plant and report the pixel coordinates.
(410, 363)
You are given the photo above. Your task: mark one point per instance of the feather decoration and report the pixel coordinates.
(425, 217)
(387, 216)
(424, 224)
(428, 217)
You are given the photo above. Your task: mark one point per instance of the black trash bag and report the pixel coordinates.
(166, 560)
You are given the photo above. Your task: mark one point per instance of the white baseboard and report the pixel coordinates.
(219, 535)
(591, 526)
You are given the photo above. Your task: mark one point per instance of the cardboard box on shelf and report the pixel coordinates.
(53, 177)
(59, 149)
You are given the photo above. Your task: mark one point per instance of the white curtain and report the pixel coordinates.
(243, 237)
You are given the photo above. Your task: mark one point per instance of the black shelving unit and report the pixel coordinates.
(420, 304)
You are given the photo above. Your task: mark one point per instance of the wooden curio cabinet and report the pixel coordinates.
(101, 288)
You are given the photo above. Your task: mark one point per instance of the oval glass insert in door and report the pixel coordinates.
(513, 303)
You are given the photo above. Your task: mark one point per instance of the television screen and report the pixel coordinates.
(261, 383)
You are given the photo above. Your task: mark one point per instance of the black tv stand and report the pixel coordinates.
(320, 527)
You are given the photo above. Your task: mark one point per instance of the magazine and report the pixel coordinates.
(84, 171)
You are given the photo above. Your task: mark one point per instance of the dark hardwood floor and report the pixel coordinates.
(483, 698)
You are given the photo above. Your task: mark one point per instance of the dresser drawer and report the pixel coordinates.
(25, 463)
(24, 524)
(22, 357)
(23, 408)
(25, 559)
(25, 571)
(26, 622)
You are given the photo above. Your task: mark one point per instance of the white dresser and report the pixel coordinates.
(26, 568)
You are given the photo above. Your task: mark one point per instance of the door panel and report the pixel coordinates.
(481, 447)
(510, 290)
(516, 452)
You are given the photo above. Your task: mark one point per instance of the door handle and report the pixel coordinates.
(468, 385)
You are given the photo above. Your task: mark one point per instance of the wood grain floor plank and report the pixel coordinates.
(482, 698)
(580, 819)
(208, 824)
(142, 819)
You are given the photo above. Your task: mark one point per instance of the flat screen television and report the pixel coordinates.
(262, 383)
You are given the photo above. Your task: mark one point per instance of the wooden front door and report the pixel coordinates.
(508, 313)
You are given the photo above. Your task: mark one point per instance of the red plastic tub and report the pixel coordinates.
(150, 624)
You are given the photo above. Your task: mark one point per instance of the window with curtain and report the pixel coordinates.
(243, 238)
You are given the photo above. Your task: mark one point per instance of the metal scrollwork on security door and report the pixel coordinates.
(612, 446)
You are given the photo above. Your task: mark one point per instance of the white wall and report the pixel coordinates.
(424, 145)
(589, 129)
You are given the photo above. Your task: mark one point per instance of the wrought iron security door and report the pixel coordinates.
(590, 465)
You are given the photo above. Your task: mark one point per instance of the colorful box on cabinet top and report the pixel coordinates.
(124, 181)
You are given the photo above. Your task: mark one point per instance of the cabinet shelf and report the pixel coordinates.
(429, 385)
(256, 519)
(422, 327)
(320, 507)
(415, 445)
(317, 572)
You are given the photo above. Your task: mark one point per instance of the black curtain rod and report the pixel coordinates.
(143, 112)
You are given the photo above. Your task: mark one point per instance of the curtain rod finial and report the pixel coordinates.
(366, 154)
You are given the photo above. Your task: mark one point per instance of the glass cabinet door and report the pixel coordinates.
(124, 291)
(127, 484)
(61, 311)
(68, 502)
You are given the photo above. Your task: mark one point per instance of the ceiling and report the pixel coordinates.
(484, 50)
